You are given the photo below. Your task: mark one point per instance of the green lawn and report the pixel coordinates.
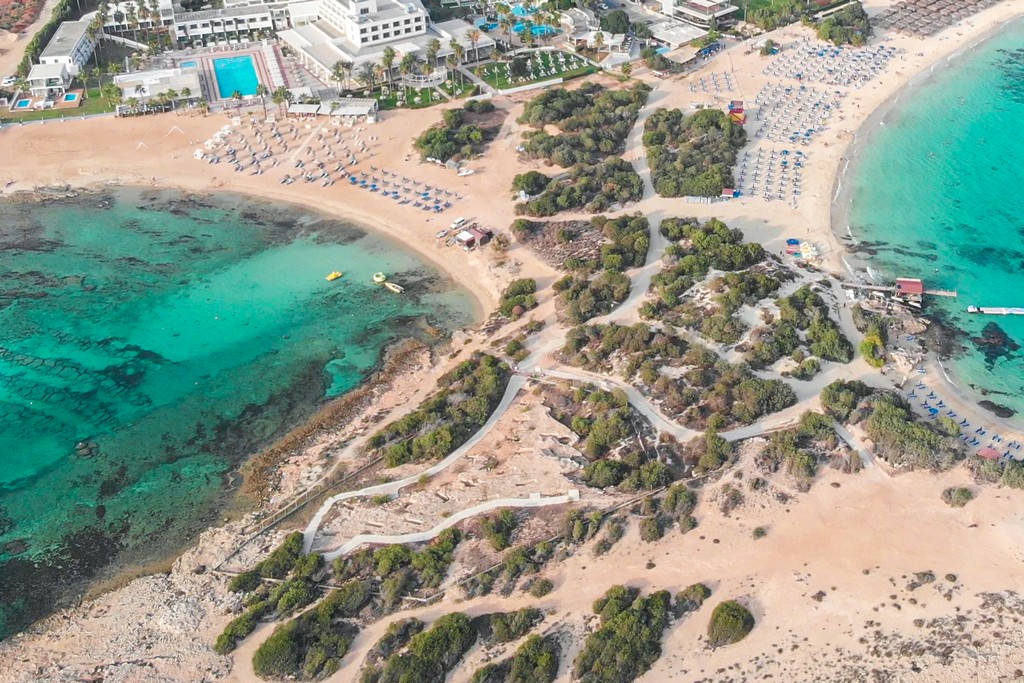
(93, 104)
(494, 74)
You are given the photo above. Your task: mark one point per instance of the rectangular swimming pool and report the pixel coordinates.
(70, 97)
(187, 64)
(23, 104)
(235, 73)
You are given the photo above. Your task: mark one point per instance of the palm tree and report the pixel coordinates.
(133, 21)
(453, 66)
(204, 106)
(387, 60)
(339, 72)
(279, 97)
(261, 92)
(406, 67)
(627, 69)
(111, 93)
(367, 74)
(133, 102)
(598, 40)
(459, 52)
(237, 97)
(505, 24)
(114, 68)
(85, 74)
(172, 97)
(21, 85)
(474, 36)
(433, 47)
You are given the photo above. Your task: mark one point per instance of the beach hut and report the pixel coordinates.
(466, 239)
(909, 290)
(481, 235)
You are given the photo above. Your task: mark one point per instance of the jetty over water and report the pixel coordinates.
(910, 291)
(997, 310)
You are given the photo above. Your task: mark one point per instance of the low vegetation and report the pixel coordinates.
(803, 321)
(800, 450)
(957, 496)
(898, 436)
(584, 294)
(593, 123)
(535, 661)
(692, 155)
(466, 397)
(459, 135)
(518, 297)
(517, 562)
(312, 645)
(432, 654)
(848, 26)
(730, 623)
(691, 598)
(690, 382)
(498, 529)
(628, 640)
(593, 188)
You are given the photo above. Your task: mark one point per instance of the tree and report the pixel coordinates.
(111, 93)
(599, 40)
(280, 96)
(730, 623)
(387, 61)
(172, 97)
(433, 47)
(453, 65)
(339, 73)
(236, 96)
(367, 74)
(474, 36)
(626, 69)
(261, 92)
(615, 22)
(406, 68)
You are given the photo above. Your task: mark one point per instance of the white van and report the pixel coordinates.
(457, 223)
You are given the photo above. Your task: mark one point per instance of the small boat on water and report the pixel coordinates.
(334, 276)
(397, 289)
(379, 277)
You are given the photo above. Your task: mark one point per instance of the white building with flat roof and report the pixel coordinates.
(700, 13)
(48, 80)
(181, 82)
(358, 32)
(71, 46)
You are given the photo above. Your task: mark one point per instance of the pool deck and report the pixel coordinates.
(57, 104)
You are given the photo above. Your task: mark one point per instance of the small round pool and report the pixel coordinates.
(70, 97)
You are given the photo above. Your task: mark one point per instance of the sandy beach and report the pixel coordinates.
(838, 587)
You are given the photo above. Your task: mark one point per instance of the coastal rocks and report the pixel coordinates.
(995, 344)
(997, 409)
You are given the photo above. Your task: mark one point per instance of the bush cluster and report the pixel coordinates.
(628, 641)
(805, 312)
(465, 399)
(730, 623)
(432, 654)
(692, 155)
(498, 529)
(593, 123)
(798, 450)
(312, 645)
(518, 297)
(593, 188)
(455, 137)
(848, 26)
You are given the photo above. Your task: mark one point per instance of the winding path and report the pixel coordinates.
(422, 536)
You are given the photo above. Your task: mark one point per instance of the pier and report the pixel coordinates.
(997, 310)
(910, 291)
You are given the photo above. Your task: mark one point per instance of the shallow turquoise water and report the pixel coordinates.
(178, 336)
(936, 190)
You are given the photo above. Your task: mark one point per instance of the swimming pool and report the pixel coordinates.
(521, 11)
(235, 73)
(484, 25)
(539, 30)
(70, 97)
(663, 50)
(23, 104)
(187, 64)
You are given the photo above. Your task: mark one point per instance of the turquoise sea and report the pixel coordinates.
(149, 341)
(936, 194)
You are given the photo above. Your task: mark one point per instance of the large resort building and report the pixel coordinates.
(71, 45)
(705, 14)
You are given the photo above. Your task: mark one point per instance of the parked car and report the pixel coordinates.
(8, 82)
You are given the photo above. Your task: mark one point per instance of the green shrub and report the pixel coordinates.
(730, 623)
(691, 598)
(519, 294)
(498, 529)
(245, 582)
(651, 529)
(692, 155)
(283, 558)
(957, 497)
(541, 587)
(628, 641)
(536, 661)
(433, 653)
(456, 137)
